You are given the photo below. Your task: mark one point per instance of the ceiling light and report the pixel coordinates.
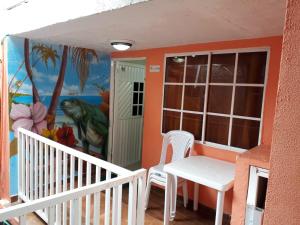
(178, 59)
(121, 45)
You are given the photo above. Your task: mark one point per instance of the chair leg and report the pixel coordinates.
(185, 194)
(148, 188)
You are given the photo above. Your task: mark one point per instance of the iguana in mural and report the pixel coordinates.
(92, 124)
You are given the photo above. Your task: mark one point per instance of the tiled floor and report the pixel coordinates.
(154, 214)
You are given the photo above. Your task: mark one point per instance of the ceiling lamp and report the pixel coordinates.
(178, 59)
(121, 45)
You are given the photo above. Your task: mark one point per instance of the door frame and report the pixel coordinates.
(112, 99)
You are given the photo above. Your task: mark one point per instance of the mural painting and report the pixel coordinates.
(60, 92)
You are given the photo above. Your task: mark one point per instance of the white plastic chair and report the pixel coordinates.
(181, 142)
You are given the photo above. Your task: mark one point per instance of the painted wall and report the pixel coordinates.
(153, 101)
(283, 196)
(60, 92)
(258, 156)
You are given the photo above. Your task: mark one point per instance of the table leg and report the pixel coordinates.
(167, 199)
(196, 196)
(173, 197)
(219, 210)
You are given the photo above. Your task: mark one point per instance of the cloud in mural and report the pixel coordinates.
(70, 90)
(42, 77)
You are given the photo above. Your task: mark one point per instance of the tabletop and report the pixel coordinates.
(213, 173)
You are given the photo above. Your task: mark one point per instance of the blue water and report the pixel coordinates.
(94, 100)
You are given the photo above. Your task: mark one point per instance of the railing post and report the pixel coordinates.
(97, 198)
(107, 201)
(51, 215)
(31, 169)
(88, 197)
(117, 205)
(41, 169)
(79, 185)
(72, 170)
(58, 184)
(74, 219)
(36, 160)
(51, 170)
(132, 202)
(22, 220)
(20, 165)
(46, 169)
(27, 166)
(65, 180)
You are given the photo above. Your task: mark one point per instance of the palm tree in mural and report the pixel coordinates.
(81, 59)
(35, 94)
(57, 89)
(45, 54)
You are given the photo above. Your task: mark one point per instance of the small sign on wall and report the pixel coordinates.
(154, 68)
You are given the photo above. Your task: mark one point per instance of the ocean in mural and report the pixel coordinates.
(59, 92)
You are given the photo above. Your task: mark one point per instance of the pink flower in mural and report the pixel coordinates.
(29, 117)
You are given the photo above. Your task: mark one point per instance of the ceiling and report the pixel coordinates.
(161, 23)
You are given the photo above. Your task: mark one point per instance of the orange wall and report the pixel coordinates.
(283, 196)
(153, 102)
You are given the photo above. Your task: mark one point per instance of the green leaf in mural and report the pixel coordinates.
(81, 59)
(45, 53)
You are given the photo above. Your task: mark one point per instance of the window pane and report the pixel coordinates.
(174, 69)
(219, 99)
(245, 133)
(141, 98)
(171, 121)
(134, 110)
(135, 86)
(193, 124)
(222, 68)
(196, 69)
(140, 110)
(141, 86)
(172, 96)
(135, 98)
(248, 101)
(194, 98)
(217, 129)
(251, 67)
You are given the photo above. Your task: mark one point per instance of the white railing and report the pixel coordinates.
(58, 183)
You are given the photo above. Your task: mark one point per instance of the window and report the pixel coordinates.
(216, 96)
(137, 99)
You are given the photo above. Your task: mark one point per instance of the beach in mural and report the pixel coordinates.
(60, 92)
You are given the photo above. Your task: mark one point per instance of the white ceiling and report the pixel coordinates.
(160, 23)
(35, 14)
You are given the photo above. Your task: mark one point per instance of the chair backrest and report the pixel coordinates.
(181, 142)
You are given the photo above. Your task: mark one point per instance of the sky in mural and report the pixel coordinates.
(45, 77)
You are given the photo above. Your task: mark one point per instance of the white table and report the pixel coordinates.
(210, 172)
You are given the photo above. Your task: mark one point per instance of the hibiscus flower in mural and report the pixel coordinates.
(29, 117)
(65, 136)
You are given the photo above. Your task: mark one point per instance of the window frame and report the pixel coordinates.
(138, 104)
(207, 84)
